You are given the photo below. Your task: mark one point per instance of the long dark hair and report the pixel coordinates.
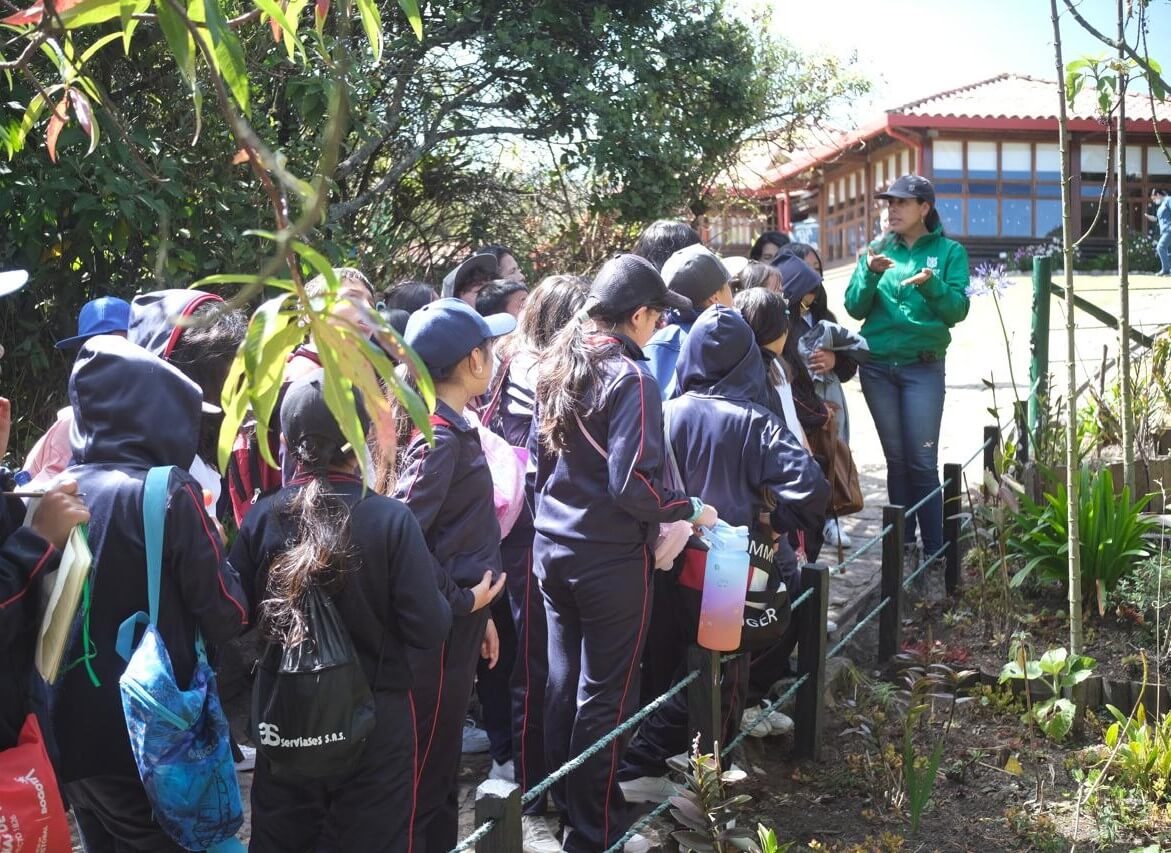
(764, 312)
(569, 373)
(319, 549)
(551, 307)
(756, 274)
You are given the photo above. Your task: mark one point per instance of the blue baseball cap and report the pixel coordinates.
(444, 331)
(99, 316)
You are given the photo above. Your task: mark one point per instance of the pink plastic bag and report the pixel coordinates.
(507, 464)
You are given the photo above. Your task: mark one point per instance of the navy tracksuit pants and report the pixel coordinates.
(493, 683)
(366, 809)
(439, 700)
(529, 672)
(598, 603)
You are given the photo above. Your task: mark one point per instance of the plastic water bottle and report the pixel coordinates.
(725, 582)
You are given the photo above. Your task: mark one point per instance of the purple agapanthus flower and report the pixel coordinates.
(989, 278)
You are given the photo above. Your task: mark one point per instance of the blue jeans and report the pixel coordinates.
(1163, 250)
(906, 403)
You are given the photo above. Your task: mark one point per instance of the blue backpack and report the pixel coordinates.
(179, 738)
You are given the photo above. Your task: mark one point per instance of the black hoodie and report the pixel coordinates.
(728, 446)
(133, 411)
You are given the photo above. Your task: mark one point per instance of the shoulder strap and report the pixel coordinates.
(669, 449)
(154, 514)
(593, 443)
(436, 421)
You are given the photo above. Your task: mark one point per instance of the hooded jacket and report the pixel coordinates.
(617, 498)
(798, 280)
(387, 597)
(729, 447)
(901, 322)
(449, 489)
(133, 411)
(153, 316)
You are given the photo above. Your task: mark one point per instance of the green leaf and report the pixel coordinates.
(229, 56)
(90, 12)
(234, 402)
(415, 16)
(182, 48)
(288, 29)
(1053, 661)
(372, 24)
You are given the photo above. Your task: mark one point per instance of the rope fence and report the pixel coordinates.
(499, 804)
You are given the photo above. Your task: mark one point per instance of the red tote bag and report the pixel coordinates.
(32, 816)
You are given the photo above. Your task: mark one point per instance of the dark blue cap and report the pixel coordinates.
(910, 186)
(444, 331)
(99, 316)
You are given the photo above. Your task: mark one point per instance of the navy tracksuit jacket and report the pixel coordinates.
(730, 450)
(598, 512)
(389, 602)
(448, 487)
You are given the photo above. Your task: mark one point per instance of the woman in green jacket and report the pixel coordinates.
(909, 289)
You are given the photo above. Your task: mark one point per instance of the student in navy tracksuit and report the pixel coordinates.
(600, 500)
(731, 450)
(368, 554)
(133, 411)
(448, 487)
(550, 308)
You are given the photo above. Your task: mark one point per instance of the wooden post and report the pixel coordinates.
(1020, 414)
(890, 620)
(499, 800)
(811, 645)
(703, 698)
(953, 475)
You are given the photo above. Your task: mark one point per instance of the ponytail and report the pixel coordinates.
(932, 221)
(568, 371)
(319, 549)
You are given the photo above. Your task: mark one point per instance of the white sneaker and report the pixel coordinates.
(755, 722)
(247, 760)
(502, 771)
(778, 723)
(648, 789)
(834, 535)
(536, 837)
(637, 844)
(474, 739)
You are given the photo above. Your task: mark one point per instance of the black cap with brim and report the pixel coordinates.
(306, 418)
(628, 282)
(12, 281)
(910, 186)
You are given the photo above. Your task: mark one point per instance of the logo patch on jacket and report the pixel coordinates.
(932, 263)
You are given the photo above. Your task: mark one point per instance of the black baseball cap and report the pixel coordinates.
(446, 330)
(695, 273)
(627, 282)
(910, 186)
(306, 416)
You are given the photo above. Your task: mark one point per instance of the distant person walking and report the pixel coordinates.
(1162, 216)
(909, 290)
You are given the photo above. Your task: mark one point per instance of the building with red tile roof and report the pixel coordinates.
(991, 150)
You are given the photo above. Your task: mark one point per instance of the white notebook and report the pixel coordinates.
(68, 586)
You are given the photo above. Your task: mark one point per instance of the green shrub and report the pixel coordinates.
(1144, 595)
(1110, 532)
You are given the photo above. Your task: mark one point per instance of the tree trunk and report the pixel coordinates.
(1071, 448)
(1123, 211)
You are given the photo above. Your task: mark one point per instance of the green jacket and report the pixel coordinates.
(903, 321)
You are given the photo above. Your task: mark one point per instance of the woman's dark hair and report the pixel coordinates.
(661, 239)
(756, 274)
(320, 548)
(570, 372)
(776, 238)
(409, 295)
(493, 297)
(804, 251)
(766, 314)
(551, 307)
(204, 353)
(495, 250)
(931, 221)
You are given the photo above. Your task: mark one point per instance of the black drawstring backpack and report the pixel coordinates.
(312, 708)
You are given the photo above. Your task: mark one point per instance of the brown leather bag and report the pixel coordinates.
(846, 488)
